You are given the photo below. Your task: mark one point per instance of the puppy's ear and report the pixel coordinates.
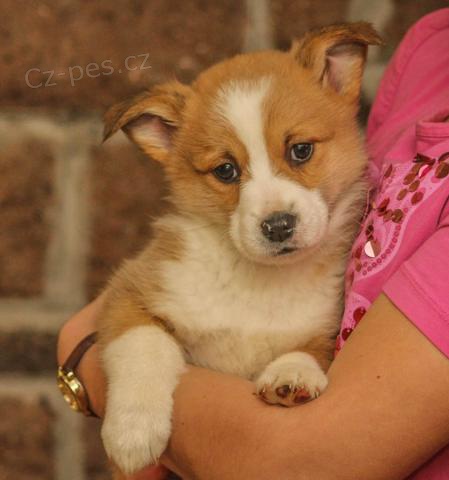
(150, 119)
(336, 55)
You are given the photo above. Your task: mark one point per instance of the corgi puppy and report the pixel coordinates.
(244, 274)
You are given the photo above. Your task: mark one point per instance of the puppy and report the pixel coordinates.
(244, 274)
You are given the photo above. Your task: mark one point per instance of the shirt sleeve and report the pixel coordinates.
(387, 91)
(420, 288)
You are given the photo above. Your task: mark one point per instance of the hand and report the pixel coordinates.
(89, 370)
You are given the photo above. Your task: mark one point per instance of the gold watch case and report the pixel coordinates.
(73, 391)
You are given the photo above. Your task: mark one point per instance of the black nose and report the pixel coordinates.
(279, 227)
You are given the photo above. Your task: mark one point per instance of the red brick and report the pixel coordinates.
(26, 194)
(127, 190)
(180, 36)
(27, 352)
(292, 19)
(406, 13)
(26, 439)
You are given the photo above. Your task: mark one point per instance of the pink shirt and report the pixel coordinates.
(403, 246)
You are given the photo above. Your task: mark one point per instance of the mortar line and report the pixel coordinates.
(69, 453)
(259, 30)
(379, 14)
(66, 255)
(33, 315)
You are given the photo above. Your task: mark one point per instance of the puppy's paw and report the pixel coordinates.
(291, 379)
(135, 436)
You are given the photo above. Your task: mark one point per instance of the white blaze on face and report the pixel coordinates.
(242, 104)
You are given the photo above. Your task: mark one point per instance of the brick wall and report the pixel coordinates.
(70, 208)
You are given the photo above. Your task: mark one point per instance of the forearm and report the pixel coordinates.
(215, 432)
(89, 369)
(222, 431)
(384, 413)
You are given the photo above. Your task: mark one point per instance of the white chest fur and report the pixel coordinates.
(235, 316)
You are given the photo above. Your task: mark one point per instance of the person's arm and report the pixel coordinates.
(385, 411)
(72, 332)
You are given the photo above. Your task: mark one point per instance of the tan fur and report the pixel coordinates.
(322, 348)
(163, 102)
(326, 133)
(311, 51)
(131, 290)
(183, 128)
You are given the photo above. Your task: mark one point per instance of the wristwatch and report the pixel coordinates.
(71, 388)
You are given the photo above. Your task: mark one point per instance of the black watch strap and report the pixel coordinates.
(75, 357)
(68, 371)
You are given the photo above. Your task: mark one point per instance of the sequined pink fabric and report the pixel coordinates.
(403, 246)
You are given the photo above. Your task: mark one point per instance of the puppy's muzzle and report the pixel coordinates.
(279, 227)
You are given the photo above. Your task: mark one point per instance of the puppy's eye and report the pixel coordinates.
(300, 153)
(227, 173)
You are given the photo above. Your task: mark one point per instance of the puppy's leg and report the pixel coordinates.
(142, 365)
(296, 377)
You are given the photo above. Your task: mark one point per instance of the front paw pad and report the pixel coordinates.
(291, 379)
